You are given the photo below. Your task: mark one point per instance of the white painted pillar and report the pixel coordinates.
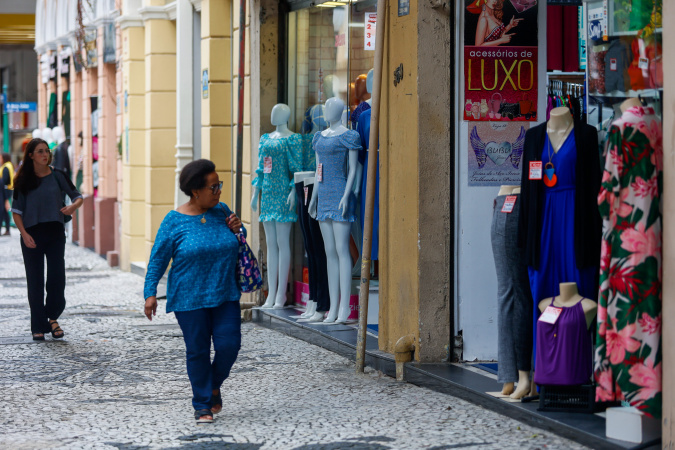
(184, 80)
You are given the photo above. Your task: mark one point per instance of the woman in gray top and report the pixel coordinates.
(39, 214)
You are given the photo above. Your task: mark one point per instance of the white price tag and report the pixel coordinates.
(268, 164)
(550, 314)
(612, 64)
(643, 63)
(536, 170)
(319, 173)
(509, 203)
(306, 189)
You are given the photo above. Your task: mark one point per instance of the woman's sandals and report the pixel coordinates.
(204, 416)
(57, 332)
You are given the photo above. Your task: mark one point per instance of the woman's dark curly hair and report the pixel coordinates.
(193, 175)
(26, 179)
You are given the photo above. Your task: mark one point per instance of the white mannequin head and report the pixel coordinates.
(37, 133)
(47, 135)
(57, 135)
(333, 110)
(369, 81)
(280, 114)
(330, 85)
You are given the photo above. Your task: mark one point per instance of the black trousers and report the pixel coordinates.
(50, 240)
(4, 214)
(316, 254)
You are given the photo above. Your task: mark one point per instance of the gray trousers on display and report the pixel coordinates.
(514, 299)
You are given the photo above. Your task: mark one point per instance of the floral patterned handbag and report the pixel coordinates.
(248, 275)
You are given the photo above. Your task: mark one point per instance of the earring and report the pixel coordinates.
(198, 196)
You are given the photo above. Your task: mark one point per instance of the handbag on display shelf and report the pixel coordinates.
(523, 5)
(526, 107)
(248, 275)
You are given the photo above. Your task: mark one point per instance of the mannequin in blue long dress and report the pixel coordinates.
(363, 128)
(558, 262)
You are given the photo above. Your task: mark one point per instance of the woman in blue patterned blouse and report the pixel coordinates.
(198, 237)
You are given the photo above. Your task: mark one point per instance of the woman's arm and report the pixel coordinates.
(481, 30)
(162, 252)
(27, 238)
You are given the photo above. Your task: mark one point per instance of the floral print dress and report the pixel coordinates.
(628, 353)
(278, 160)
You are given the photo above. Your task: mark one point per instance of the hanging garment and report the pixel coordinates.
(628, 355)
(278, 160)
(617, 61)
(333, 153)
(354, 118)
(557, 256)
(564, 349)
(364, 131)
(314, 120)
(514, 300)
(316, 253)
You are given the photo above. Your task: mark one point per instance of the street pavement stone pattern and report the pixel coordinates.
(119, 381)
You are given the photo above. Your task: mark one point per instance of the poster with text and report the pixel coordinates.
(495, 153)
(500, 60)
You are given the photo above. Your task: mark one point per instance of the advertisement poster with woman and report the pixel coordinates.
(500, 60)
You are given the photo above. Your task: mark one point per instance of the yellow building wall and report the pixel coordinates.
(399, 180)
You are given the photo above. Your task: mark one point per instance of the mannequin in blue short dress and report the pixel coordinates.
(333, 203)
(279, 156)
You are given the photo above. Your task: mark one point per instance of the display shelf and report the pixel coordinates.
(555, 74)
(632, 33)
(618, 94)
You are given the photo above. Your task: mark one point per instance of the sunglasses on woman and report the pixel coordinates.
(216, 188)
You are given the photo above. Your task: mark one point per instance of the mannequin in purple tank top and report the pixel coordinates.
(564, 349)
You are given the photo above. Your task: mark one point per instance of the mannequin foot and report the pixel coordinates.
(317, 317)
(280, 303)
(522, 390)
(507, 389)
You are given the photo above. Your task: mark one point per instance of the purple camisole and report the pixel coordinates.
(564, 351)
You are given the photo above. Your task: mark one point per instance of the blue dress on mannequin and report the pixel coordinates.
(558, 262)
(363, 127)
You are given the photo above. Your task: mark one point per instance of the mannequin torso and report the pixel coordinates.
(508, 190)
(631, 102)
(569, 296)
(559, 126)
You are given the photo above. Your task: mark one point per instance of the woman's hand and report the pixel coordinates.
(28, 240)
(150, 307)
(512, 24)
(344, 204)
(505, 39)
(234, 223)
(68, 210)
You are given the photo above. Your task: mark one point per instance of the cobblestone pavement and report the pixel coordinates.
(119, 381)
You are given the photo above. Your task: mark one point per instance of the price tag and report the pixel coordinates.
(550, 314)
(612, 64)
(536, 172)
(643, 63)
(306, 189)
(319, 173)
(509, 203)
(268, 164)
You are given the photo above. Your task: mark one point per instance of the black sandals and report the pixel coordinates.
(202, 414)
(57, 332)
(38, 336)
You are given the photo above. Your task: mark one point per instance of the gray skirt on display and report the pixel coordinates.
(514, 300)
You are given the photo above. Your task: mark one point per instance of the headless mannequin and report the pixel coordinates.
(37, 133)
(569, 296)
(523, 375)
(278, 234)
(631, 102)
(336, 234)
(559, 126)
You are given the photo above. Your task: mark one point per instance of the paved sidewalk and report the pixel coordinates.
(119, 381)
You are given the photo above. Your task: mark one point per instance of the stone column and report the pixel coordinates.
(184, 86)
(132, 247)
(104, 217)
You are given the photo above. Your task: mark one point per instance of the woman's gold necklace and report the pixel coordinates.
(203, 220)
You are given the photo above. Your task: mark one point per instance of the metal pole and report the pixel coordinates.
(370, 187)
(5, 121)
(240, 109)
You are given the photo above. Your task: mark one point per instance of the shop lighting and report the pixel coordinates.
(332, 4)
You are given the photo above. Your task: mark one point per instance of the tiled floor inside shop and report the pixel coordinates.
(470, 382)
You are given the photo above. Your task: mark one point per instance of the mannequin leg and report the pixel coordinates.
(342, 232)
(333, 267)
(507, 388)
(311, 306)
(272, 263)
(523, 388)
(284, 242)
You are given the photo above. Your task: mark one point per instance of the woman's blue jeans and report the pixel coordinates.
(200, 326)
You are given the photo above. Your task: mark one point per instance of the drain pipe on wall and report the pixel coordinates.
(403, 353)
(240, 109)
(370, 187)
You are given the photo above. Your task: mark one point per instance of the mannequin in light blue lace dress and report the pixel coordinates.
(279, 157)
(333, 203)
